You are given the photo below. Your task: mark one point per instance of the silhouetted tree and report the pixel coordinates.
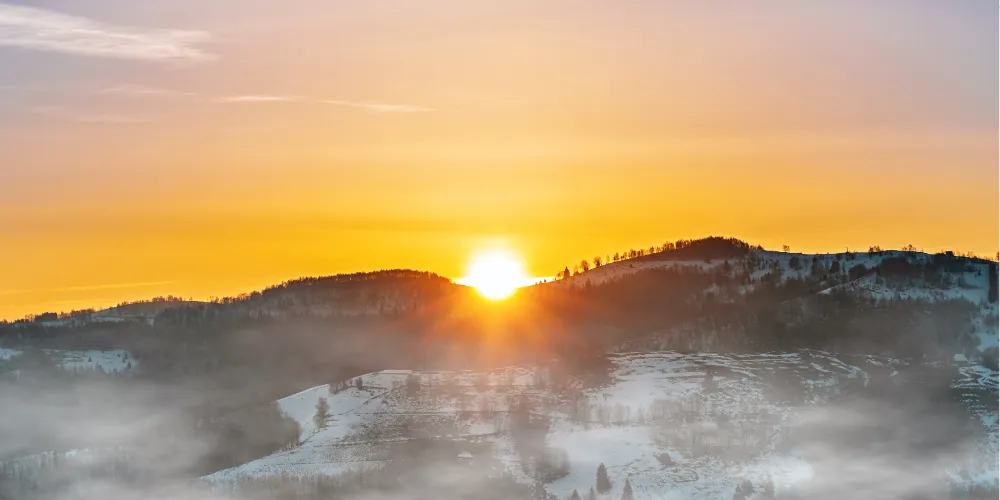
(627, 492)
(597, 261)
(816, 269)
(603, 481)
(794, 263)
(574, 496)
(591, 495)
(359, 384)
(857, 271)
(584, 265)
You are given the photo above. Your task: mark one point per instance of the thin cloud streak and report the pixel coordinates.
(381, 108)
(110, 118)
(83, 288)
(46, 30)
(257, 98)
(130, 90)
(85, 117)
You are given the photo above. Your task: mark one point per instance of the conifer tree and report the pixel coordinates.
(627, 492)
(592, 495)
(574, 496)
(603, 481)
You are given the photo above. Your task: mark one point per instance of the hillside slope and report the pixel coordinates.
(691, 426)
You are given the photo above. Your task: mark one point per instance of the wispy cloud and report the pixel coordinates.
(130, 90)
(111, 118)
(381, 108)
(41, 29)
(88, 117)
(257, 98)
(83, 288)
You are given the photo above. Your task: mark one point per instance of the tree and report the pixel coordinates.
(412, 383)
(744, 490)
(835, 267)
(592, 495)
(574, 496)
(709, 385)
(817, 267)
(359, 384)
(794, 263)
(768, 492)
(786, 248)
(585, 265)
(597, 261)
(856, 272)
(603, 481)
(322, 413)
(627, 492)
(566, 272)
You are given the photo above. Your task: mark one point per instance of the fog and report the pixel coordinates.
(904, 436)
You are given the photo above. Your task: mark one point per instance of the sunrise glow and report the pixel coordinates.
(496, 275)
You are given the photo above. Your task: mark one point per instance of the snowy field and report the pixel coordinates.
(6, 354)
(107, 361)
(672, 424)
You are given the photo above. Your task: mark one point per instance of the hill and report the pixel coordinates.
(706, 369)
(693, 426)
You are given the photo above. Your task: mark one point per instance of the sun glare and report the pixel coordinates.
(495, 275)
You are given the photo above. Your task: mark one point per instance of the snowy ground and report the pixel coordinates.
(107, 361)
(687, 425)
(363, 423)
(981, 398)
(676, 384)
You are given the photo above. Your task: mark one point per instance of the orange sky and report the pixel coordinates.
(273, 142)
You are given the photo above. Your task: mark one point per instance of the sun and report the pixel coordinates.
(495, 275)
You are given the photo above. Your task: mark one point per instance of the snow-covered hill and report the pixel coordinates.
(878, 276)
(83, 361)
(675, 425)
(971, 283)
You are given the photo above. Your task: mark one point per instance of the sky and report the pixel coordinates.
(210, 148)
